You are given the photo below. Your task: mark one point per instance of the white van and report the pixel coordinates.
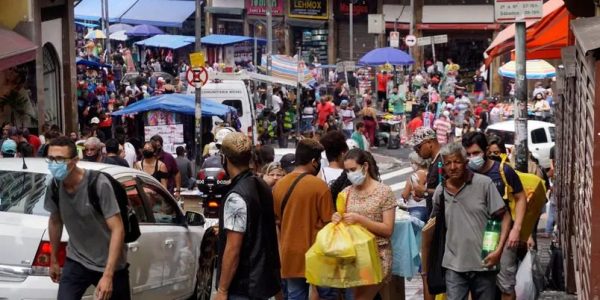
(539, 140)
(234, 93)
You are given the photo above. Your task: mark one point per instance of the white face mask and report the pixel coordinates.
(357, 177)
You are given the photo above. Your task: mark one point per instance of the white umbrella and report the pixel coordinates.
(118, 36)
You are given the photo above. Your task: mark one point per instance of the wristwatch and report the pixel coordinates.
(426, 194)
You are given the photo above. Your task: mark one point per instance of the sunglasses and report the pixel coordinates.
(417, 148)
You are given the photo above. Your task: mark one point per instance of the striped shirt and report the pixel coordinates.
(442, 127)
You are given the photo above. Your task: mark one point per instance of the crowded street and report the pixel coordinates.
(296, 150)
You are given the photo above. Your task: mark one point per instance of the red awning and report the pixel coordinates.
(545, 37)
(15, 49)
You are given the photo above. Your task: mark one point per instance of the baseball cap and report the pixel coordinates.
(422, 134)
(95, 120)
(9, 147)
(344, 102)
(288, 162)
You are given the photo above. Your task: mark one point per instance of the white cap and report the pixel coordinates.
(446, 113)
(352, 144)
(221, 134)
(449, 106)
(95, 120)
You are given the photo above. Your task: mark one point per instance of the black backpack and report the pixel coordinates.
(130, 221)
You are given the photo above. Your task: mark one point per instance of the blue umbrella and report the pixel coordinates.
(382, 56)
(118, 27)
(143, 30)
(178, 103)
(90, 63)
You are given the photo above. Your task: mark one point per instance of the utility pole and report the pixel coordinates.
(198, 92)
(351, 18)
(520, 99)
(106, 31)
(269, 51)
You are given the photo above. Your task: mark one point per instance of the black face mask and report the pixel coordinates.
(495, 158)
(148, 153)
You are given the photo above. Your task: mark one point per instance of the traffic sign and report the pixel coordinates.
(197, 60)
(410, 40)
(510, 11)
(197, 75)
(395, 39)
(436, 39)
(424, 41)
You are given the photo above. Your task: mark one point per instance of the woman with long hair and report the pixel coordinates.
(372, 205)
(369, 115)
(151, 165)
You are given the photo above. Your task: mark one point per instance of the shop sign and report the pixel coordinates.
(259, 7)
(509, 11)
(360, 10)
(309, 9)
(228, 3)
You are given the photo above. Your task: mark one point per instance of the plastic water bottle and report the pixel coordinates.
(491, 238)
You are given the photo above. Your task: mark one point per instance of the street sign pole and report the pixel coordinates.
(198, 95)
(106, 32)
(351, 18)
(269, 52)
(433, 50)
(521, 99)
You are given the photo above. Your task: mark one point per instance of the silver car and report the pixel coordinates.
(173, 258)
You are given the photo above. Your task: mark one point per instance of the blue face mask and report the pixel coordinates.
(476, 163)
(58, 170)
(357, 177)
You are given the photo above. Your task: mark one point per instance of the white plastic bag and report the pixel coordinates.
(525, 288)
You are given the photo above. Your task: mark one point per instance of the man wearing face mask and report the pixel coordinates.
(303, 205)
(96, 252)
(247, 235)
(92, 150)
(476, 145)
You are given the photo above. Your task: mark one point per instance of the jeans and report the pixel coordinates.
(419, 212)
(481, 285)
(297, 289)
(348, 133)
(551, 214)
(76, 278)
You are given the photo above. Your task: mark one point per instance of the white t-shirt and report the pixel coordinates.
(496, 115)
(277, 103)
(348, 117)
(329, 175)
(308, 112)
(130, 155)
(410, 202)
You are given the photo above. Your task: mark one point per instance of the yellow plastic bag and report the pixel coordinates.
(440, 297)
(341, 272)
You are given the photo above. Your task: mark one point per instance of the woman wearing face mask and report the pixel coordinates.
(371, 204)
(416, 206)
(273, 172)
(151, 165)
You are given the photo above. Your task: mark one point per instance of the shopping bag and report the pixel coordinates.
(436, 273)
(365, 269)
(334, 240)
(331, 264)
(525, 288)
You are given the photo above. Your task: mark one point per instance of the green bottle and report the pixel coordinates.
(491, 238)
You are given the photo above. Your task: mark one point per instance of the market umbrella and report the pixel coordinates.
(535, 69)
(178, 103)
(389, 55)
(118, 27)
(118, 36)
(95, 34)
(143, 30)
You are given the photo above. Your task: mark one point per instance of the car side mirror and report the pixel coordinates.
(194, 219)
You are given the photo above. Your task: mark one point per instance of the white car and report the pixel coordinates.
(540, 137)
(172, 259)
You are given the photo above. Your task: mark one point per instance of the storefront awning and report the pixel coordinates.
(545, 37)
(15, 49)
(223, 39)
(167, 41)
(166, 13)
(224, 10)
(305, 23)
(91, 10)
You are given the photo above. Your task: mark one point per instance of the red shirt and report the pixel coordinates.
(414, 124)
(382, 82)
(323, 111)
(35, 142)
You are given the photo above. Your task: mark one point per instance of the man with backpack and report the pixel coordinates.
(96, 252)
(511, 189)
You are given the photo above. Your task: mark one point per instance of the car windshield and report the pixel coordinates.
(23, 192)
(507, 136)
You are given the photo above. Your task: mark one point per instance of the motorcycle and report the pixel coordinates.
(213, 184)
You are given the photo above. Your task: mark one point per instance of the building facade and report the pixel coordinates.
(37, 74)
